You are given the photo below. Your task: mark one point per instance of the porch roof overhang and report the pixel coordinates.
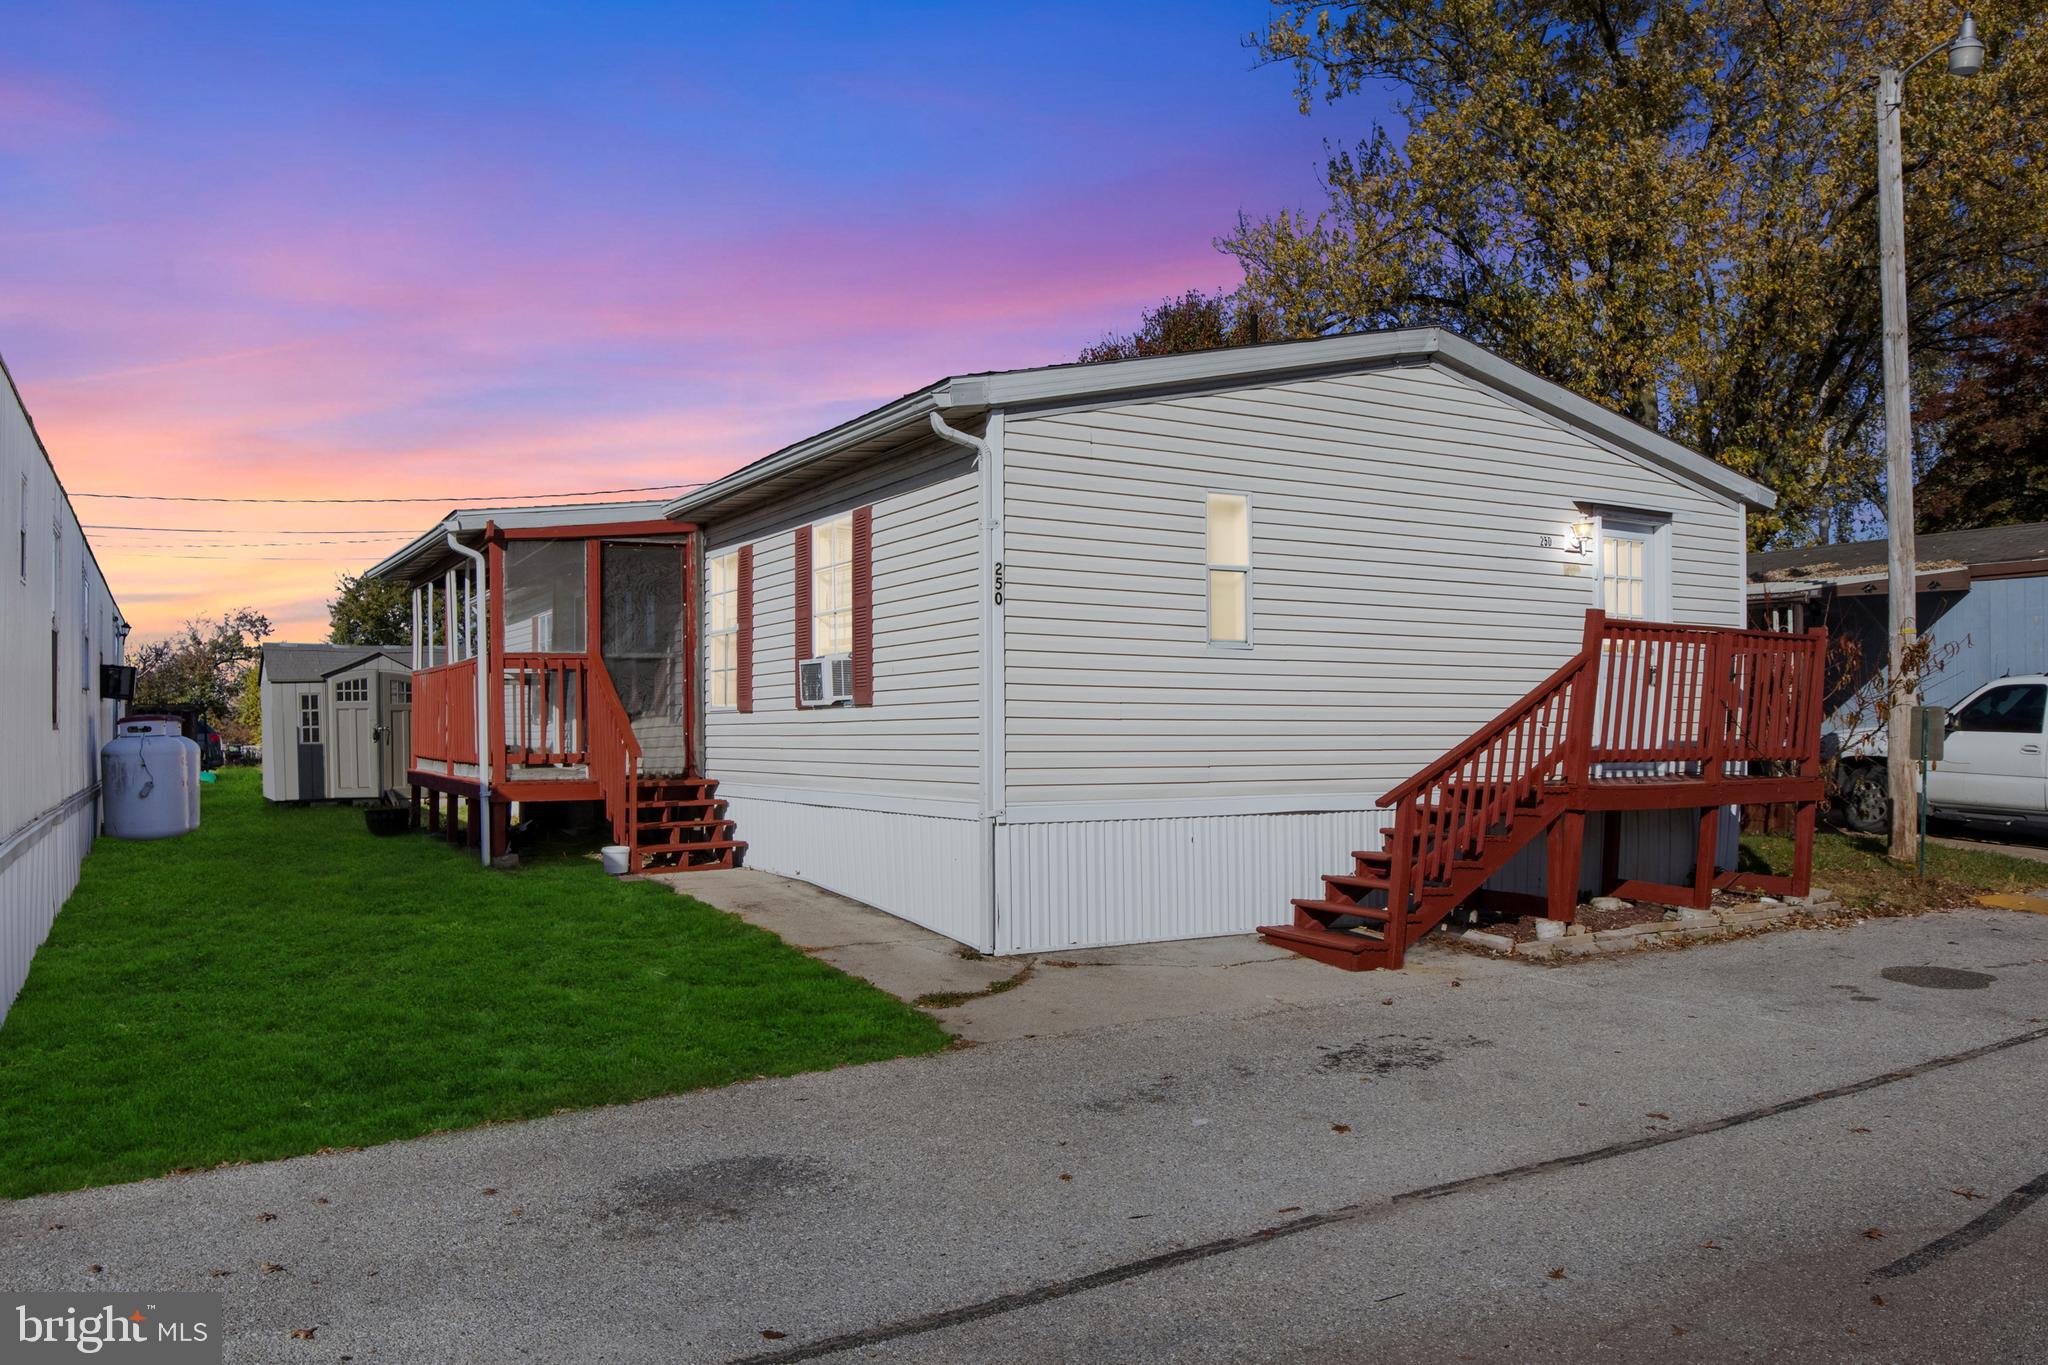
(428, 555)
(962, 398)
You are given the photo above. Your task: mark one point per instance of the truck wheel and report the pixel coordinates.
(1865, 800)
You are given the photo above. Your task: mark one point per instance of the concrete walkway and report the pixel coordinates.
(1049, 993)
(1691, 1157)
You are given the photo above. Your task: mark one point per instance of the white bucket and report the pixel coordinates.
(614, 856)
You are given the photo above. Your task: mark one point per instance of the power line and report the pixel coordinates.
(133, 545)
(438, 497)
(224, 531)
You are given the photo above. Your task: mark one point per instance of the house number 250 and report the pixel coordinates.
(999, 582)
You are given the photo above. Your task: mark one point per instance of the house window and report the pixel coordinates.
(721, 627)
(309, 718)
(1631, 567)
(1230, 568)
(832, 586)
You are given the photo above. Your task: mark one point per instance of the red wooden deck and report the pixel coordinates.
(1646, 716)
(560, 731)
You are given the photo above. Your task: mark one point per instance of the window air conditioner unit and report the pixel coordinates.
(827, 680)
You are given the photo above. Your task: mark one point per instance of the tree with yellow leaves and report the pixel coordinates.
(1669, 207)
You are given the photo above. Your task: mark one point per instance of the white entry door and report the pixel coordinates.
(1632, 568)
(395, 735)
(1992, 757)
(352, 748)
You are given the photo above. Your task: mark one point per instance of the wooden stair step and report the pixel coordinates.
(1352, 950)
(1332, 909)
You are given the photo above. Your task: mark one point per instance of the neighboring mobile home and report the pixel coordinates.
(1102, 654)
(61, 625)
(337, 721)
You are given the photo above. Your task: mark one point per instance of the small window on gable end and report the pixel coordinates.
(1229, 530)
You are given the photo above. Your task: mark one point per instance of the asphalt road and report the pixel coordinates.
(1767, 1150)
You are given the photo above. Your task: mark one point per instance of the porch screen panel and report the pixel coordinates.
(643, 645)
(546, 607)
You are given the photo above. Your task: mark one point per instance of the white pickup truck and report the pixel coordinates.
(1993, 770)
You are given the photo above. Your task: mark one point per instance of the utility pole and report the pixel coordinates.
(1904, 691)
(1965, 53)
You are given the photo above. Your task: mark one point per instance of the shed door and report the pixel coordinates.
(353, 745)
(395, 736)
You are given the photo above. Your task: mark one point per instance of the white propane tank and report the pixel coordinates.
(149, 780)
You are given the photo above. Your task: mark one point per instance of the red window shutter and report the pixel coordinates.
(743, 641)
(864, 606)
(803, 608)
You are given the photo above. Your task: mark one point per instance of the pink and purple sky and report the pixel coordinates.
(387, 250)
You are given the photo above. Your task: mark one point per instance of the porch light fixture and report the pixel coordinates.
(1582, 534)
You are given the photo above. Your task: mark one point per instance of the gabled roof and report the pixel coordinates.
(969, 395)
(429, 551)
(311, 663)
(2013, 547)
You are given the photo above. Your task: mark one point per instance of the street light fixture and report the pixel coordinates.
(1965, 54)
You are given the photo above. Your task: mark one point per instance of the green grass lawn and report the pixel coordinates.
(280, 981)
(1856, 868)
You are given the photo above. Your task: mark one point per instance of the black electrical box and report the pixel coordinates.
(117, 682)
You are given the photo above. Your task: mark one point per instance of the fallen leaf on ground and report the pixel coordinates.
(1292, 1208)
(1710, 1245)
(271, 1267)
(1065, 1176)
(1665, 1117)
(487, 1190)
(1859, 1130)
(1873, 1233)
(1388, 1001)
(772, 1334)
(1968, 1193)
(1557, 1272)
(1340, 1127)
(266, 1218)
(1877, 1299)
(95, 1269)
(303, 1333)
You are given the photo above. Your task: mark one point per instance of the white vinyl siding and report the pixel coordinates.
(920, 741)
(1403, 596)
(53, 725)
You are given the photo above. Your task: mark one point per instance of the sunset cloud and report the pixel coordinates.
(282, 253)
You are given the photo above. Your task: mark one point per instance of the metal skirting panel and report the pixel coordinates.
(927, 869)
(1094, 883)
(38, 869)
(1097, 883)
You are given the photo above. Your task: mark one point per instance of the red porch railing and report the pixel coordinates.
(545, 703)
(444, 714)
(1687, 701)
(614, 758)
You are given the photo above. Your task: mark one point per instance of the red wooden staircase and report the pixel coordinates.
(1646, 716)
(667, 823)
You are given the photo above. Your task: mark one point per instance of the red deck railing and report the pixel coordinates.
(614, 758)
(444, 714)
(545, 702)
(1686, 700)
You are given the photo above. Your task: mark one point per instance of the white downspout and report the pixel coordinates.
(988, 466)
(483, 709)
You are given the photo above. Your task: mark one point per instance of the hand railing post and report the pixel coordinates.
(1401, 874)
(1585, 698)
(1716, 705)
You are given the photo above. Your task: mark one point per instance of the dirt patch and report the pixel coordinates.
(1523, 930)
(727, 1191)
